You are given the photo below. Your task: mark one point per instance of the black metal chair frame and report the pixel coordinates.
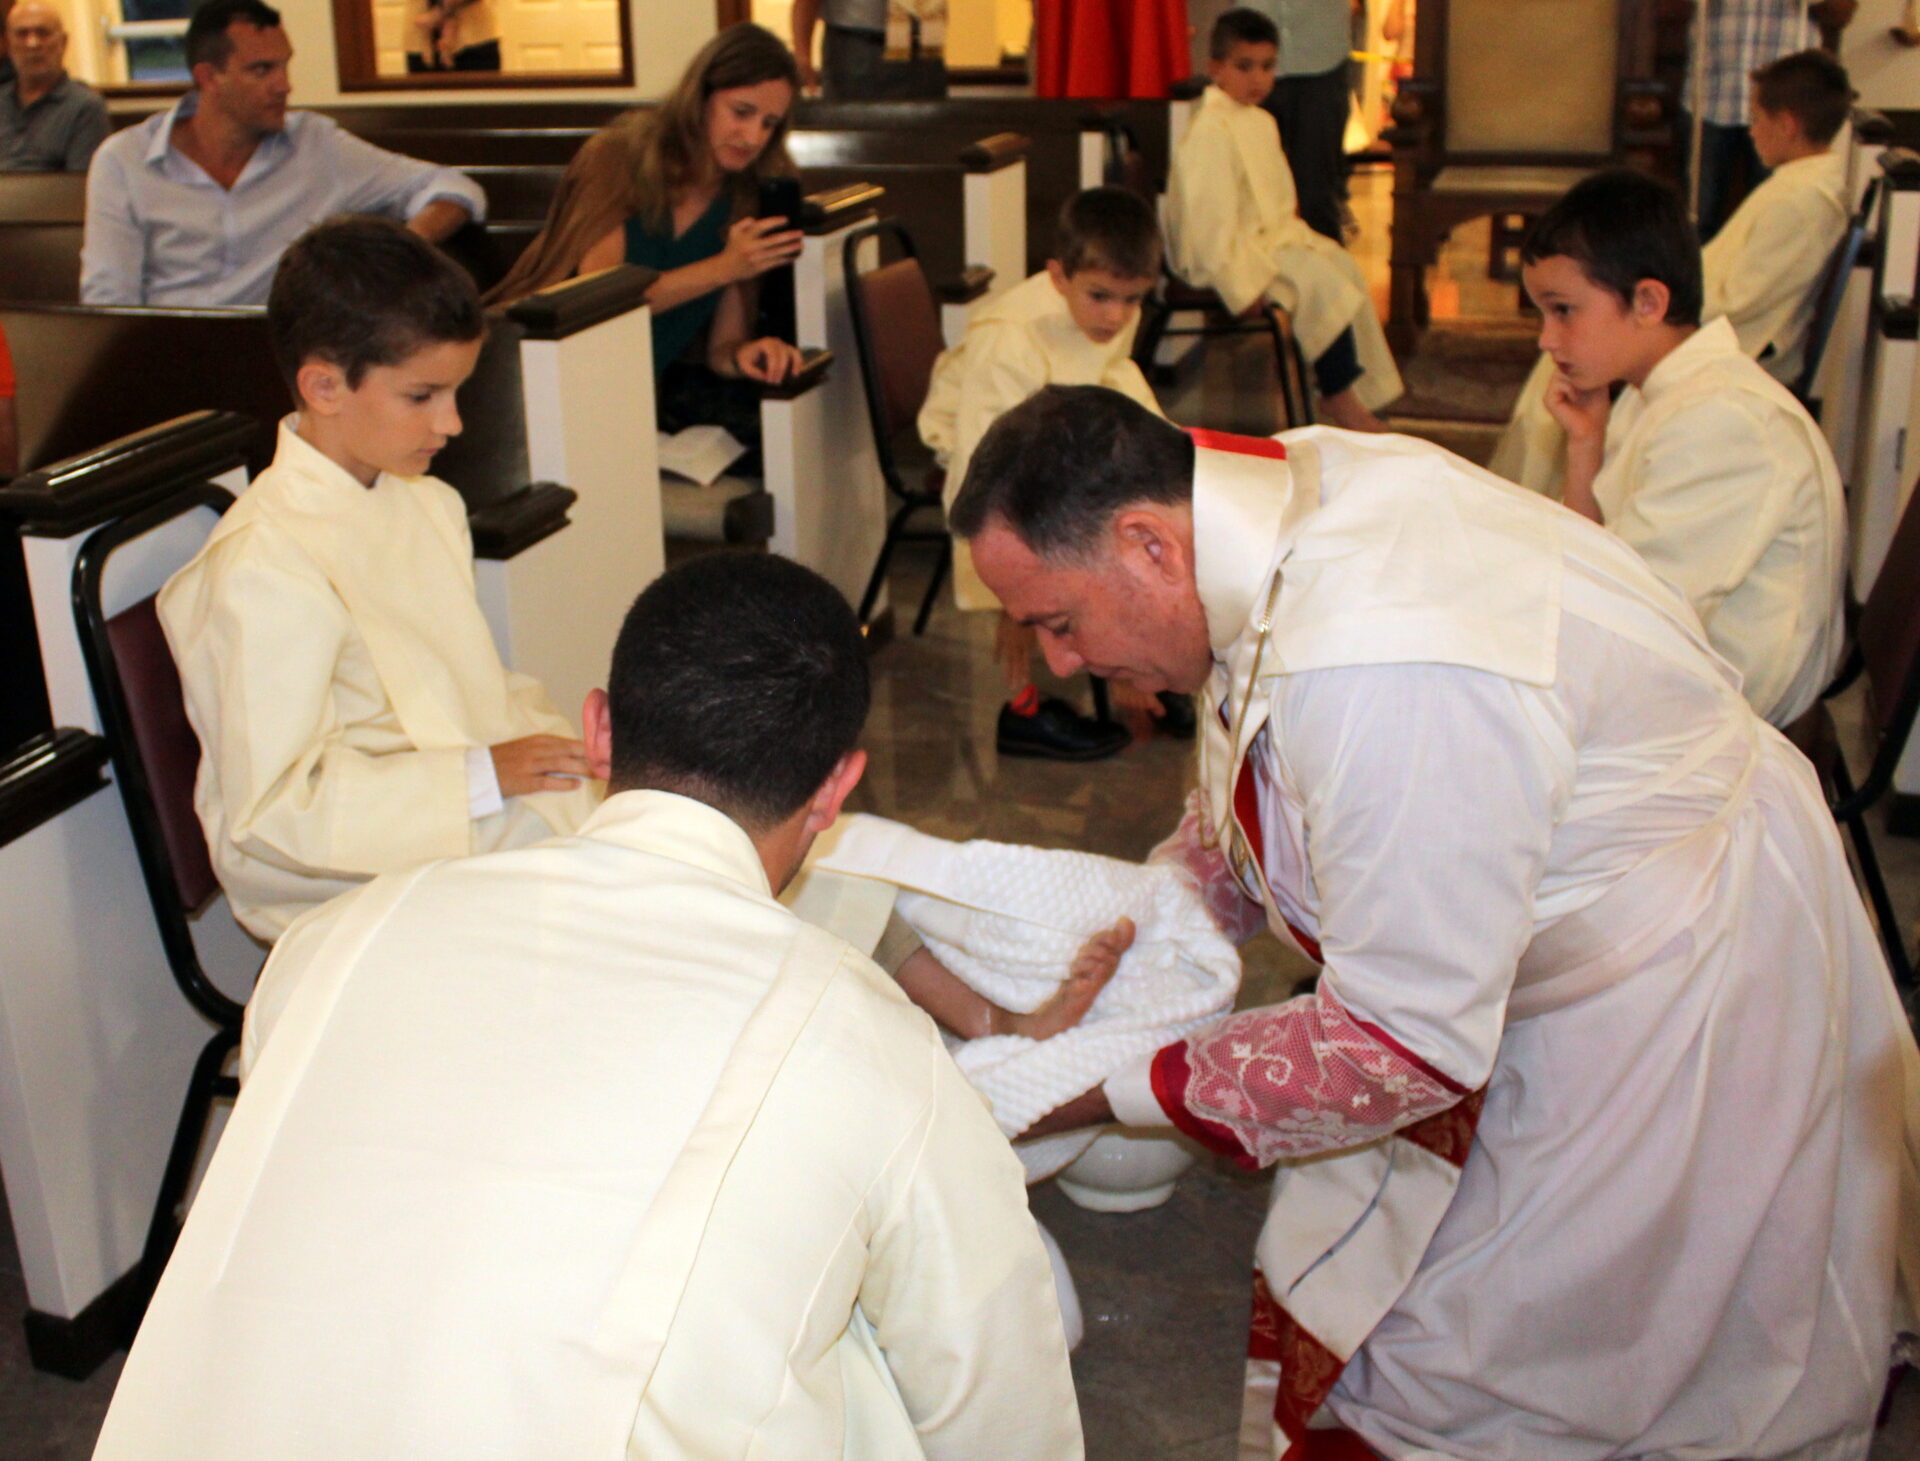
(1290, 361)
(1832, 291)
(208, 1082)
(900, 528)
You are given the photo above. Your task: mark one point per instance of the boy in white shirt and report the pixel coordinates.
(352, 709)
(1761, 269)
(1234, 226)
(1072, 324)
(1705, 464)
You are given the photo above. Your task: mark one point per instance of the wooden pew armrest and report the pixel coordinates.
(990, 154)
(839, 207)
(508, 526)
(1873, 127)
(574, 305)
(1187, 88)
(71, 496)
(812, 372)
(40, 778)
(973, 282)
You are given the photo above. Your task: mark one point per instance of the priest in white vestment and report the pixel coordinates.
(1604, 1084)
(593, 1150)
(1762, 270)
(1234, 226)
(346, 689)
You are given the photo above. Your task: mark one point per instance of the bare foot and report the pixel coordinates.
(1092, 967)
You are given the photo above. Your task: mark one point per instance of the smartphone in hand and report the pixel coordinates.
(779, 198)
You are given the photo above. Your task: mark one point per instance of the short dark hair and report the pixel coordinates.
(1241, 27)
(1111, 229)
(739, 679)
(207, 38)
(358, 292)
(1058, 466)
(1621, 227)
(1813, 86)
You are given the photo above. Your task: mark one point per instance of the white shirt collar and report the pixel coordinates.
(678, 827)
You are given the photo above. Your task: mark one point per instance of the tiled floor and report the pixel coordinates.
(1164, 1292)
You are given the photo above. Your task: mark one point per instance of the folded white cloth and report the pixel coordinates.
(1008, 920)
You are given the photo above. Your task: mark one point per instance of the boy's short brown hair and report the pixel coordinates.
(358, 292)
(1111, 229)
(1813, 87)
(1241, 27)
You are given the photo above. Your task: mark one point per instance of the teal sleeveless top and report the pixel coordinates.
(675, 329)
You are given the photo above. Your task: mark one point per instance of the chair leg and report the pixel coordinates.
(879, 575)
(205, 1086)
(941, 565)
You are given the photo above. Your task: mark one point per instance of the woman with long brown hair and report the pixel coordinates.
(674, 189)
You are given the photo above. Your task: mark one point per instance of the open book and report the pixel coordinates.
(699, 453)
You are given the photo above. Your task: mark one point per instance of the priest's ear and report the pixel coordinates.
(1155, 542)
(596, 730)
(824, 808)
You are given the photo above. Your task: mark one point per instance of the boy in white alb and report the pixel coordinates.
(1705, 464)
(1234, 226)
(1761, 269)
(1072, 324)
(352, 709)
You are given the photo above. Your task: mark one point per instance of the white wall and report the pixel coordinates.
(1885, 73)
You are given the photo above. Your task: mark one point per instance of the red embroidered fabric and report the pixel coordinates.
(1296, 1079)
(1234, 913)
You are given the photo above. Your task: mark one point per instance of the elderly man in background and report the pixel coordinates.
(49, 122)
(194, 206)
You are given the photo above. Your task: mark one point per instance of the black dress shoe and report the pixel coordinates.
(1177, 717)
(1058, 732)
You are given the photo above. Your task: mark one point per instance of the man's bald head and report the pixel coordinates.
(37, 43)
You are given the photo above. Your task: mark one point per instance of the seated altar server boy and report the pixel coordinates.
(351, 705)
(1706, 464)
(1072, 324)
(1234, 226)
(594, 1150)
(1763, 267)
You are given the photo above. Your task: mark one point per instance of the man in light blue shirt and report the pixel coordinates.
(1309, 101)
(195, 206)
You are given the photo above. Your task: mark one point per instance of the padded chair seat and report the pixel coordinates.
(733, 510)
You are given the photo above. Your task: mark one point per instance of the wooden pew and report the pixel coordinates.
(41, 215)
(983, 184)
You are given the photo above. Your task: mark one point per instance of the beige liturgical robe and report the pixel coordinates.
(591, 1151)
(337, 669)
(1019, 342)
(1727, 488)
(1502, 782)
(1234, 226)
(1761, 272)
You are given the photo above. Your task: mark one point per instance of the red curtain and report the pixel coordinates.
(1109, 48)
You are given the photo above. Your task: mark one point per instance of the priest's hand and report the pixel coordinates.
(539, 763)
(1092, 967)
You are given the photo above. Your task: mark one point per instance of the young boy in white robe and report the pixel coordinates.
(1234, 226)
(353, 713)
(1762, 268)
(1705, 464)
(1071, 324)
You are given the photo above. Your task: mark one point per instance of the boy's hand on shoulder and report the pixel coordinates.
(539, 763)
(1582, 414)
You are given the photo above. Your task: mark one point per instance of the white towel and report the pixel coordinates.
(1008, 920)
